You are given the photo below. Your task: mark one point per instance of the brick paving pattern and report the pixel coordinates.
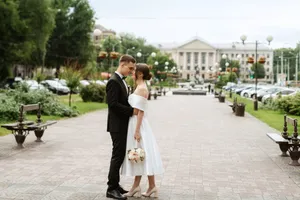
(208, 153)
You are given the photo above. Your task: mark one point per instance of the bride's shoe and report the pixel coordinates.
(136, 192)
(153, 191)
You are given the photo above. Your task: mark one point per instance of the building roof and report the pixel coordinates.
(103, 29)
(224, 46)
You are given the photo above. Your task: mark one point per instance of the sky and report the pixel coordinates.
(216, 21)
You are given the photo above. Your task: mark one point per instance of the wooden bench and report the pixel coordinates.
(233, 106)
(286, 142)
(22, 128)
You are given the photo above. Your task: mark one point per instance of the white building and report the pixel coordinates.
(199, 58)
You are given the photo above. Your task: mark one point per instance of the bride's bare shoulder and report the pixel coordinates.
(142, 91)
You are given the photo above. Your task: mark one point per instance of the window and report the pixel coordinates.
(268, 69)
(232, 55)
(268, 63)
(203, 68)
(181, 67)
(181, 53)
(188, 77)
(196, 58)
(268, 77)
(188, 67)
(242, 55)
(203, 76)
(203, 58)
(243, 62)
(196, 67)
(286, 92)
(268, 55)
(188, 57)
(253, 55)
(247, 76)
(247, 55)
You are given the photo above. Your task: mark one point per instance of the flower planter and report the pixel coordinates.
(240, 110)
(222, 99)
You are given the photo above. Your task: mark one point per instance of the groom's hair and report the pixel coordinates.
(127, 58)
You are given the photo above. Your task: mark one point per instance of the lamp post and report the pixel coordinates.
(251, 60)
(139, 54)
(127, 50)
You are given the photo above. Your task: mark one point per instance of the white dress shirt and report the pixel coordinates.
(121, 76)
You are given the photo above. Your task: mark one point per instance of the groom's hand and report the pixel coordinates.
(135, 111)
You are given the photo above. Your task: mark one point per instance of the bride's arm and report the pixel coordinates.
(140, 115)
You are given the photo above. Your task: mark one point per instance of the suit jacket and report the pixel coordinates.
(119, 110)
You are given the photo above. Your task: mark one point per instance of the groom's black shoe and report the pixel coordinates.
(121, 190)
(115, 194)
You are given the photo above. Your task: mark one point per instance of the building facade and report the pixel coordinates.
(198, 59)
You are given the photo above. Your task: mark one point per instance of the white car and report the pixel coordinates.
(55, 87)
(33, 85)
(84, 82)
(274, 95)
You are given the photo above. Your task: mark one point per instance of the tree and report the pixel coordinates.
(161, 59)
(287, 53)
(39, 18)
(72, 78)
(12, 37)
(71, 39)
(260, 70)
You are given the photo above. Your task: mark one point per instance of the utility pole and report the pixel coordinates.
(281, 73)
(288, 70)
(296, 75)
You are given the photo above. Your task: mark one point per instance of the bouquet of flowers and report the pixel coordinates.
(136, 155)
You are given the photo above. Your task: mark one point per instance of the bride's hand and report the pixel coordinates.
(137, 136)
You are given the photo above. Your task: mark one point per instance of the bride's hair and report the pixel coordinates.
(144, 69)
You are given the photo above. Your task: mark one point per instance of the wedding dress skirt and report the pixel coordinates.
(152, 165)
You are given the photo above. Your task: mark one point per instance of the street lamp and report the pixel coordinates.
(139, 54)
(97, 33)
(127, 50)
(153, 54)
(251, 60)
(156, 63)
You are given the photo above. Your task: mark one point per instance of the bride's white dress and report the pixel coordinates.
(152, 165)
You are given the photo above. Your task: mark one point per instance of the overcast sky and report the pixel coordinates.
(216, 21)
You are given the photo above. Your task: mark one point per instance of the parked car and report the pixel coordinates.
(274, 95)
(239, 91)
(34, 85)
(84, 82)
(55, 87)
(266, 91)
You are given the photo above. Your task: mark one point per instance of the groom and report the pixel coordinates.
(119, 112)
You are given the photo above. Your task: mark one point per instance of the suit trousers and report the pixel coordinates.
(117, 158)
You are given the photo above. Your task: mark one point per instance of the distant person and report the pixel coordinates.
(209, 87)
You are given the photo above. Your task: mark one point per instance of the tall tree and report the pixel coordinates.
(12, 37)
(161, 59)
(39, 17)
(260, 70)
(70, 43)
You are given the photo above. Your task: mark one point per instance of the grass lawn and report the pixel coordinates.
(273, 118)
(82, 107)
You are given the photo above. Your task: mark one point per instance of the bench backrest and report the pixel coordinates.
(30, 107)
(289, 121)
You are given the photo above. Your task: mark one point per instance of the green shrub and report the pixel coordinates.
(9, 109)
(93, 93)
(289, 104)
(49, 101)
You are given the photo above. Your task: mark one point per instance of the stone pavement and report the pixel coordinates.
(207, 152)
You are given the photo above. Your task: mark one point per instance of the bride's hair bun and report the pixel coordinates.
(144, 69)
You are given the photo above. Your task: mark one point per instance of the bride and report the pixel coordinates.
(140, 134)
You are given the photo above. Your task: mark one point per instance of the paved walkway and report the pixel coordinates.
(208, 153)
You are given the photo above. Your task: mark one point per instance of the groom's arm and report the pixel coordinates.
(112, 96)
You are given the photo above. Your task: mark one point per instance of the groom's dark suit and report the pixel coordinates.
(119, 112)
